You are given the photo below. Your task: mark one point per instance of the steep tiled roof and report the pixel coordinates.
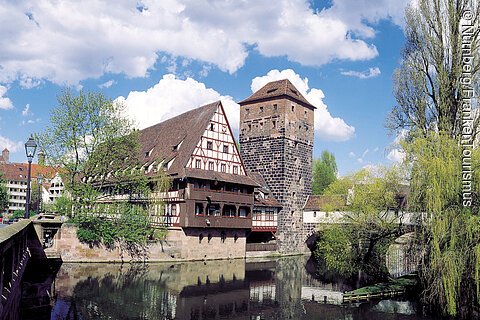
(279, 88)
(176, 138)
(19, 171)
(321, 202)
(158, 142)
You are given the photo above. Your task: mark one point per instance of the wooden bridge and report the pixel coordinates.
(21, 242)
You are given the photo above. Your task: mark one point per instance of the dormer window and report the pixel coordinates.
(148, 153)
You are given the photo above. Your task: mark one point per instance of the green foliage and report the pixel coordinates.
(63, 206)
(334, 248)
(4, 197)
(361, 242)
(125, 224)
(18, 214)
(324, 172)
(451, 237)
(81, 128)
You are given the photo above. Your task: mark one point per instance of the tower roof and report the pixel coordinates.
(277, 89)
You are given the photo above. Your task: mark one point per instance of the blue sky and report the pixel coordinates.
(162, 58)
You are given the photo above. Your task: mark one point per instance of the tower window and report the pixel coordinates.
(275, 107)
(209, 145)
(249, 127)
(247, 111)
(293, 108)
(274, 124)
(261, 109)
(261, 125)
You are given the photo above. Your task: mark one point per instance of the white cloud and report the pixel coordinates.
(10, 145)
(26, 110)
(5, 103)
(396, 155)
(327, 127)
(351, 154)
(376, 149)
(68, 41)
(370, 73)
(172, 96)
(107, 84)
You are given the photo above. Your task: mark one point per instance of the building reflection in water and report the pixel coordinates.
(233, 289)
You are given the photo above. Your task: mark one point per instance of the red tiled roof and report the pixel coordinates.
(276, 89)
(320, 202)
(19, 171)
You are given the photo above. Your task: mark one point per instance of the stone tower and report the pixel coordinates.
(276, 140)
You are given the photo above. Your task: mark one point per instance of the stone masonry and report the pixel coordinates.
(276, 140)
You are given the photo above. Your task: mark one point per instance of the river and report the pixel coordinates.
(230, 289)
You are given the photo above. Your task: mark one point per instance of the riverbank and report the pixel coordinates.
(392, 288)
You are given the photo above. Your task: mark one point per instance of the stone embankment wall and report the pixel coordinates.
(192, 244)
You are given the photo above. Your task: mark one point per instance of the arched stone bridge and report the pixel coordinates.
(313, 220)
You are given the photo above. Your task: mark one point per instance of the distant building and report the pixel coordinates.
(15, 176)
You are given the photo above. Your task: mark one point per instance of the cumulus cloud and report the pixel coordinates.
(10, 144)
(327, 127)
(172, 96)
(396, 155)
(5, 103)
(370, 73)
(68, 41)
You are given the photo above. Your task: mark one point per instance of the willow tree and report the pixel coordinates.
(370, 224)
(434, 77)
(451, 235)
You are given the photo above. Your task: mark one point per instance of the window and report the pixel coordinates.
(210, 166)
(257, 215)
(247, 111)
(225, 148)
(314, 214)
(274, 124)
(223, 167)
(261, 109)
(212, 127)
(243, 212)
(293, 108)
(235, 170)
(209, 145)
(275, 107)
(198, 208)
(261, 125)
(198, 164)
(269, 215)
(249, 127)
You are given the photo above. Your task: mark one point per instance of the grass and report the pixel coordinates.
(395, 285)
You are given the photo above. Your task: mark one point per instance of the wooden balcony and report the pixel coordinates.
(220, 196)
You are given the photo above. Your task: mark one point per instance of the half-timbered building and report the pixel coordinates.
(208, 209)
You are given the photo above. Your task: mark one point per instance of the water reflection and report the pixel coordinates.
(278, 289)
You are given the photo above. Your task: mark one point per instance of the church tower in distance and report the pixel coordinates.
(276, 140)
